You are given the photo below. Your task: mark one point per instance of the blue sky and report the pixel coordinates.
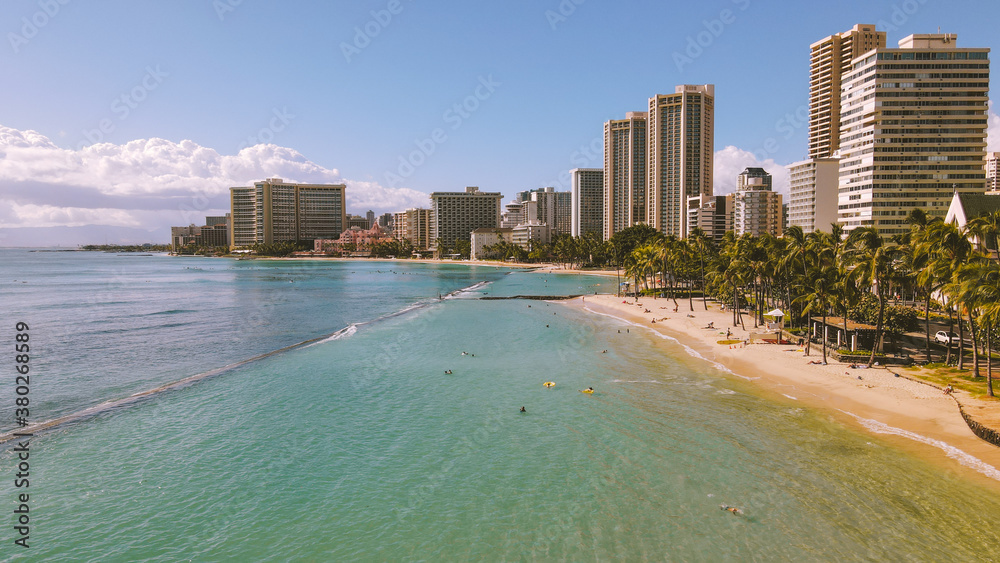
(504, 95)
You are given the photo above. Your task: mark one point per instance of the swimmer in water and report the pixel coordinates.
(733, 509)
(522, 409)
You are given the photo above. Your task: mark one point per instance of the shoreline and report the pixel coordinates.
(912, 415)
(541, 267)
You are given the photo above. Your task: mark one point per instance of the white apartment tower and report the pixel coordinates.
(912, 131)
(813, 193)
(587, 201)
(812, 196)
(625, 172)
(993, 172)
(680, 155)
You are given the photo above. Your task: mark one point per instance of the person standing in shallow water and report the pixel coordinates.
(522, 409)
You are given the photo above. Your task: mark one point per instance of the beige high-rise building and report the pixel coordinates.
(812, 197)
(912, 131)
(993, 172)
(815, 181)
(413, 225)
(454, 215)
(756, 209)
(830, 60)
(274, 211)
(587, 201)
(554, 209)
(680, 155)
(713, 214)
(625, 172)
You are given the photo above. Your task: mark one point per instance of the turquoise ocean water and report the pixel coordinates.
(361, 447)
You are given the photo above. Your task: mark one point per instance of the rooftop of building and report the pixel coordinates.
(488, 230)
(977, 205)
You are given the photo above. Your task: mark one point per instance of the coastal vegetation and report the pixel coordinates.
(127, 247)
(861, 277)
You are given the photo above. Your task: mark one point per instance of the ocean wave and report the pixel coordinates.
(951, 451)
(345, 332)
(467, 291)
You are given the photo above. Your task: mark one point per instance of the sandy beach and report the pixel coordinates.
(914, 416)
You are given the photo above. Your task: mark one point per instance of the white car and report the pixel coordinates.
(945, 337)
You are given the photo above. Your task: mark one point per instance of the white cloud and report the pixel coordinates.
(152, 183)
(730, 161)
(992, 130)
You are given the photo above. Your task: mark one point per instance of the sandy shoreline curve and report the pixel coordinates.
(916, 417)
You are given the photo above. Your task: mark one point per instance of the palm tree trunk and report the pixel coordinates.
(735, 305)
(704, 291)
(927, 324)
(961, 341)
(975, 346)
(878, 327)
(951, 330)
(989, 359)
(824, 336)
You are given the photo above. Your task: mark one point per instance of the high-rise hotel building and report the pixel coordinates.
(993, 172)
(813, 191)
(912, 131)
(413, 225)
(587, 201)
(273, 211)
(680, 130)
(830, 60)
(757, 210)
(624, 172)
(454, 215)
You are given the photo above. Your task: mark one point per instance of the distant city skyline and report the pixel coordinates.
(115, 123)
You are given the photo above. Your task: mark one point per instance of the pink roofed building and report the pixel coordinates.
(355, 241)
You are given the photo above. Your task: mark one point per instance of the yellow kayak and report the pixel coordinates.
(587, 391)
(549, 384)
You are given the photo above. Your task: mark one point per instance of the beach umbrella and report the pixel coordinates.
(775, 313)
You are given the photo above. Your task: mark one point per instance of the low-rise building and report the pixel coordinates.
(354, 241)
(482, 238)
(525, 234)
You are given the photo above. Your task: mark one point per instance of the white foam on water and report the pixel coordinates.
(958, 455)
(635, 381)
(791, 397)
(467, 291)
(346, 332)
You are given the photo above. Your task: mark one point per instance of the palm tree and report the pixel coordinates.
(701, 245)
(950, 250)
(872, 263)
(987, 278)
(822, 296)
